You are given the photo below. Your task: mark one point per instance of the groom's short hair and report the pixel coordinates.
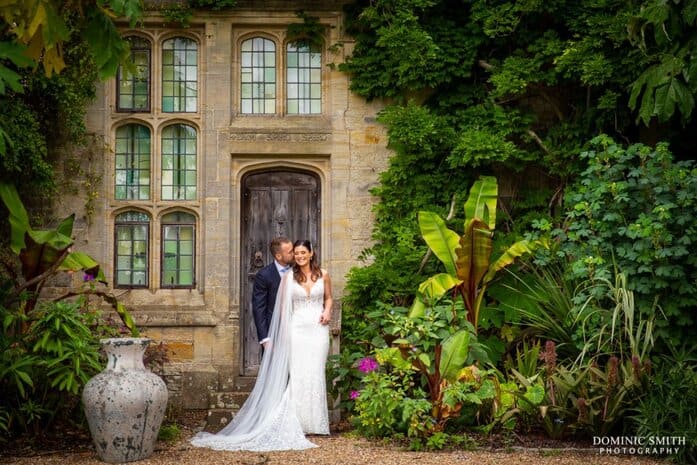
(277, 243)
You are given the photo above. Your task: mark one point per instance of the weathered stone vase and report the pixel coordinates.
(125, 404)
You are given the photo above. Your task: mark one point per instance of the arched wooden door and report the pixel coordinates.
(274, 203)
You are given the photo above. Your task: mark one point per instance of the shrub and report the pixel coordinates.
(634, 209)
(668, 409)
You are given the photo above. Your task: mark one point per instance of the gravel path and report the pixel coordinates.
(342, 449)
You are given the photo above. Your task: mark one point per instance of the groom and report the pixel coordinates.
(266, 284)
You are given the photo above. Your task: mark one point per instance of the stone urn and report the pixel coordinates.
(125, 404)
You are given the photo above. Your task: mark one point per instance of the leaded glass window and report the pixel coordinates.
(131, 249)
(258, 76)
(303, 80)
(179, 162)
(178, 249)
(179, 75)
(133, 86)
(132, 170)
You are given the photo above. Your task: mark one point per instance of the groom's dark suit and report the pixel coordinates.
(266, 284)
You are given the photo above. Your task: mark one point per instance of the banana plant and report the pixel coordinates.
(469, 267)
(42, 253)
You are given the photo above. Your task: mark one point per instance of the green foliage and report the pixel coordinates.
(668, 407)
(309, 33)
(74, 42)
(182, 12)
(380, 405)
(665, 32)
(600, 369)
(44, 253)
(634, 209)
(428, 377)
(45, 360)
(169, 433)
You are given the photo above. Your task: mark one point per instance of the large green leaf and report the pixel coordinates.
(436, 286)
(454, 354)
(518, 249)
(105, 43)
(19, 220)
(481, 203)
(77, 261)
(439, 238)
(431, 290)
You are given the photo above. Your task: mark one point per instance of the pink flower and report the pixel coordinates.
(367, 364)
(354, 395)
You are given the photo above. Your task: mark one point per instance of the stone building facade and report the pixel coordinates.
(223, 135)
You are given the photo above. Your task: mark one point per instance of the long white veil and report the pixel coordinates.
(267, 420)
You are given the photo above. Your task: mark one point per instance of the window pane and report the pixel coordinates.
(187, 248)
(292, 107)
(139, 278)
(124, 247)
(186, 262)
(140, 233)
(170, 247)
(186, 278)
(292, 91)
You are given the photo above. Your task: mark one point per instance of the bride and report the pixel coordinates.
(289, 397)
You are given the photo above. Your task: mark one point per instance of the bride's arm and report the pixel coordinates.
(326, 315)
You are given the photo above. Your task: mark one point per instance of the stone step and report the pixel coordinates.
(222, 407)
(217, 419)
(230, 400)
(244, 383)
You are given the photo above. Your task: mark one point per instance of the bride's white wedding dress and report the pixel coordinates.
(289, 397)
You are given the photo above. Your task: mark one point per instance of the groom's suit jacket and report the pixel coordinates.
(266, 284)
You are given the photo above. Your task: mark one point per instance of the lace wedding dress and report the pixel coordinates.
(289, 397)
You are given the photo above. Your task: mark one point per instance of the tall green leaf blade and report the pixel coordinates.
(441, 240)
(454, 354)
(436, 286)
(482, 200)
(518, 249)
(19, 220)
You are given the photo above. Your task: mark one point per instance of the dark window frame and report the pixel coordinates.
(148, 78)
(131, 224)
(179, 99)
(179, 224)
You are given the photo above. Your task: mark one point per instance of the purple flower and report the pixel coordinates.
(367, 364)
(354, 395)
(87, 277)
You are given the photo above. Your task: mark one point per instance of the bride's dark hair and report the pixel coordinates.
(314, 266)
